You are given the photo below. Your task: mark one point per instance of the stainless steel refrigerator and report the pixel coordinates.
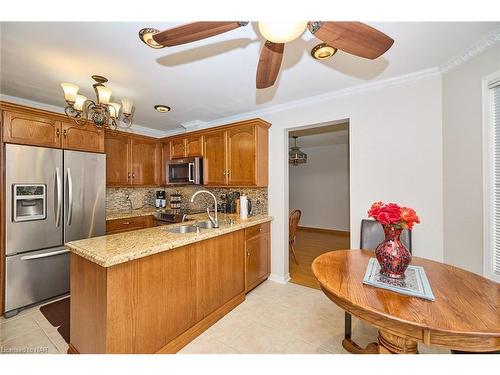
(52, 197)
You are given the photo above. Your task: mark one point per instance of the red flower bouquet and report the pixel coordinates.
(391, 253)
(393, 214)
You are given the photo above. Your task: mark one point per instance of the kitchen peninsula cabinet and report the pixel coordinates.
(132, 160)
(153, 291)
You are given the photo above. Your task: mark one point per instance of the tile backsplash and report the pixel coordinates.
(126, 198)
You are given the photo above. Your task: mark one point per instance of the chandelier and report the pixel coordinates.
(295, 156)
(101, 112)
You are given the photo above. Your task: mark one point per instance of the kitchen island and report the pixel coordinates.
(154, 291)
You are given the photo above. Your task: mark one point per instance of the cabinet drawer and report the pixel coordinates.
(257, 230)
(124, 225)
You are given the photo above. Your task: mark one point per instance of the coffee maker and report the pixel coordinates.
(160, 201)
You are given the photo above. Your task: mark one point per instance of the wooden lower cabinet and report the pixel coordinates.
(257, 255)
(128, 224)
(159, 303)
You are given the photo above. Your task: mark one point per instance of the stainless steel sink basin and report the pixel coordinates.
(182, 229)
(205, 224)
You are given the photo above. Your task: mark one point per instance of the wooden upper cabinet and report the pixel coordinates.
(132, 160)
(194, 146)
(117, 148)
(82, 137)
(31, 129)
(241, 155)
(146, 160)
(165, 157)
(188, 147)
(214, 162)
(177, 148)
(237, 155)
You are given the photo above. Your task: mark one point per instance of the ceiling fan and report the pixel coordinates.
(355, 38)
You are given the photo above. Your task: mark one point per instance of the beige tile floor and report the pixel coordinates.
(274, 318)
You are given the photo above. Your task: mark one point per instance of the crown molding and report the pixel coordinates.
(354, 90)
(472, 51)
(135, 128)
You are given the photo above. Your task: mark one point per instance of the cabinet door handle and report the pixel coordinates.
(65, 133)
(133, 175)
(224, 173)
(128, 177)
(248, 253)
(126, 222)
(58, 132)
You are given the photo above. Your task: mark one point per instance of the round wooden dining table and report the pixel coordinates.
(465, 315)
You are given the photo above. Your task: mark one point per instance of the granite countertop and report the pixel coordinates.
(124, 214)
(113, 249)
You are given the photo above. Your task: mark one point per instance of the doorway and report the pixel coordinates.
(318, 182)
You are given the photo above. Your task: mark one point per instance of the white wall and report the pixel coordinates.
(320, 188)
(395, 153)
(462, 160)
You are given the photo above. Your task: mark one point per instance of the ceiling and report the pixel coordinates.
(208, 79)
(325, 135)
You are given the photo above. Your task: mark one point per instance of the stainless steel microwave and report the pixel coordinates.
(185, 171)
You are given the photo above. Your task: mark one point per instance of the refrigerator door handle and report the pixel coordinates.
(45, 255)
(59, 197)
(70, 197)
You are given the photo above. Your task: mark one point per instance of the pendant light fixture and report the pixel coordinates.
(295, 156)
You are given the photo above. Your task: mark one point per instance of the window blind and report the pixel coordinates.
(495, 261)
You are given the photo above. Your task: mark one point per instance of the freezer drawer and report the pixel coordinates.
(34, 276)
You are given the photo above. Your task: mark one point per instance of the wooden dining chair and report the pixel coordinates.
(293, 223)
(372, 234)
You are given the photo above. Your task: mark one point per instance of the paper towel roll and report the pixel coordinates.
(243, 207)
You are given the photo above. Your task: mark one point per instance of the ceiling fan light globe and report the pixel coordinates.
(281, 32)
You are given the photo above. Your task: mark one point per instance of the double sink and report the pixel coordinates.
(191, 228)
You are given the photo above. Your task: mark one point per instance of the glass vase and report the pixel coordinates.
(392, 254)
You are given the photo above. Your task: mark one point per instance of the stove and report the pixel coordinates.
(175, 216)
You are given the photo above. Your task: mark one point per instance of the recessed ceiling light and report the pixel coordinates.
(162, 108)
(323, 51)
(146, 35)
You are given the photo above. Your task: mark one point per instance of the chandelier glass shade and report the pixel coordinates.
(295, 156)
(101, 112)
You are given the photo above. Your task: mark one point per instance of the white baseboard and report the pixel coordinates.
(279, 278)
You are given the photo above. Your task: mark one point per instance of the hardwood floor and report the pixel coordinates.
(309, 245)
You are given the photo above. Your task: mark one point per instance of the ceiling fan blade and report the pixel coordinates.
(355, 38)
(269, 64)
(194, 31)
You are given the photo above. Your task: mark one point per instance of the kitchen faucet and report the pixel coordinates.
(214, 221)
